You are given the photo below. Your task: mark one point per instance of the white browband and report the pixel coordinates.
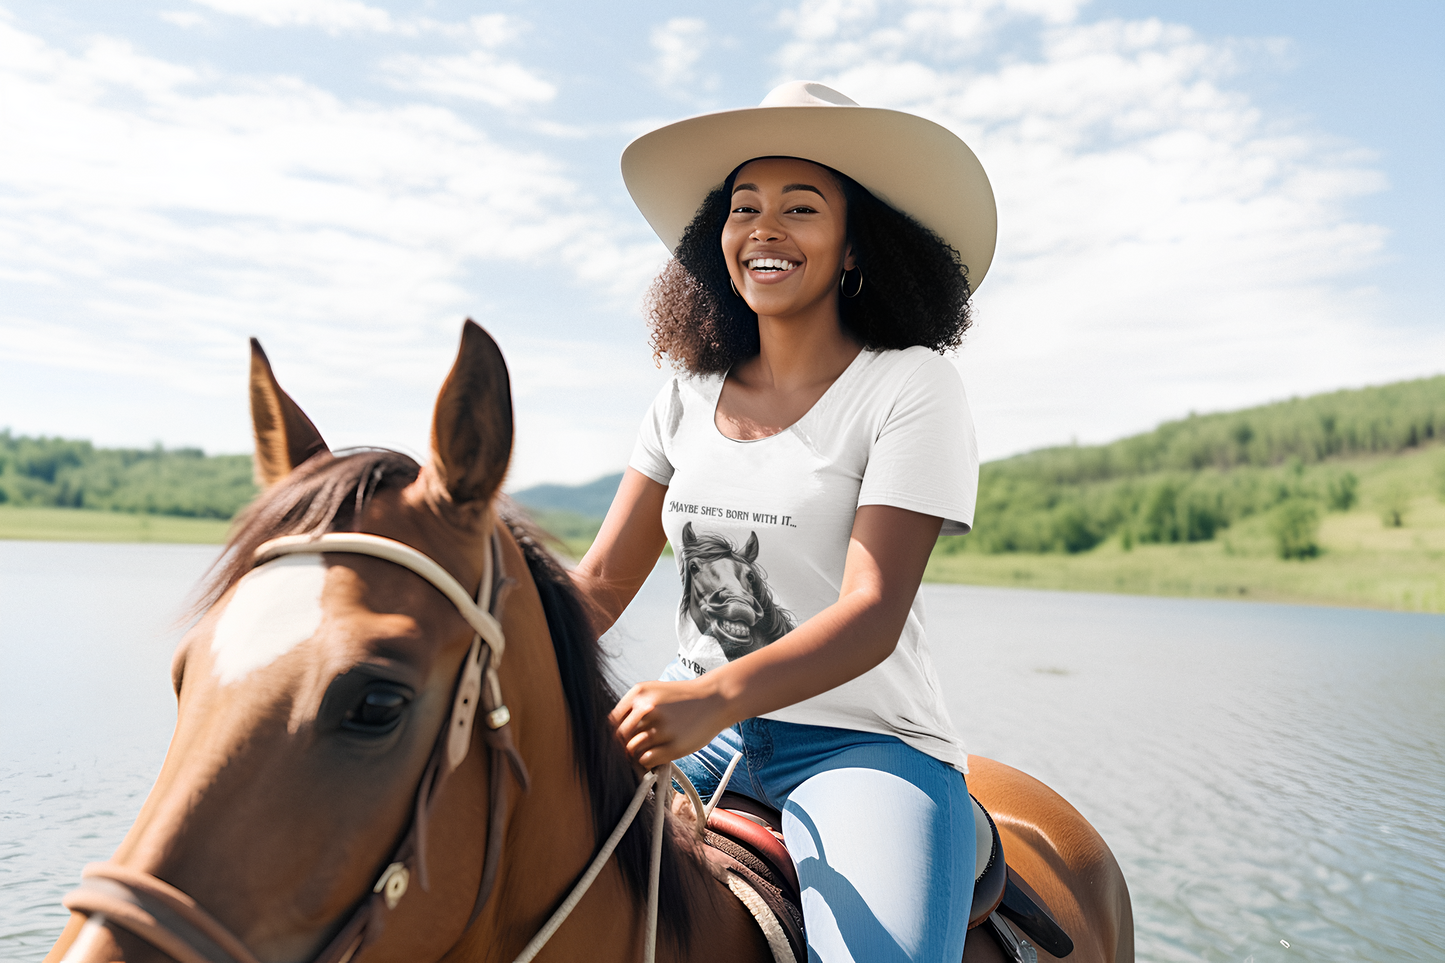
(359, 543)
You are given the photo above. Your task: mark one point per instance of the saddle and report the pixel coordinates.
(748, 835)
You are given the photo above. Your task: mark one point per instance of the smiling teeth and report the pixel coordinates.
(770, 264)
(732, 629)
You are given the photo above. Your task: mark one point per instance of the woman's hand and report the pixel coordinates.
(662, 721)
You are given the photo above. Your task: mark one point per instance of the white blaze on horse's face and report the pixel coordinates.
(274, 609)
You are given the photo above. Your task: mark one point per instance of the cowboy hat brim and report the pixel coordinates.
(916, 166)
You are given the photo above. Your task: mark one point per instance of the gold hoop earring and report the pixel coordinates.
(734, 287)
(842, 288)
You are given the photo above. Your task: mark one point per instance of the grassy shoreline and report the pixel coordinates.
(84, 525)
(1355, 578)
(1363, 563)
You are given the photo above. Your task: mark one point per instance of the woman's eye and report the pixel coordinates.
(745, 210)
(378, 712)
(802, 209)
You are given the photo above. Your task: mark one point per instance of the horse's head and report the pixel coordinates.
(311, 694)
(726, 593)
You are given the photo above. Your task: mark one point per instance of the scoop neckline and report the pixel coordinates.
(801, 418)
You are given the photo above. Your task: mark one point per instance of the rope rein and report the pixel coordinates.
(659, 815)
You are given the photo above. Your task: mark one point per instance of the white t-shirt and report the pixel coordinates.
(760, 528)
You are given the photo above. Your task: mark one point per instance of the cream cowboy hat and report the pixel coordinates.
(913, 164)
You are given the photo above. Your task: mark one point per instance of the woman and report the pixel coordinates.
(802, 464)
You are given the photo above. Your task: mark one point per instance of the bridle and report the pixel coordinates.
(174, 923)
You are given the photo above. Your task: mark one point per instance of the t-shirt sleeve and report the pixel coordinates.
(925, 457)
(649, 452)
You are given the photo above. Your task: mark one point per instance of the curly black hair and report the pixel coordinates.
(915, 289)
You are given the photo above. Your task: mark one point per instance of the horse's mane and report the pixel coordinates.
(599, 756)
(328, 492)
(712, 547)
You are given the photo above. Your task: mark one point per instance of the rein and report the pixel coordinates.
(174, 923)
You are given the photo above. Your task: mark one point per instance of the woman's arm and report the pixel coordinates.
(888, 549)
(625, 550)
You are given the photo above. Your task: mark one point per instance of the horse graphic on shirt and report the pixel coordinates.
(726, 593)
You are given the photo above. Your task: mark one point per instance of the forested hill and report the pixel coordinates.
(1386, 419)
(1286, 464)
(59, 472)
(1179, 482)
(590, 500)
(1188, 479)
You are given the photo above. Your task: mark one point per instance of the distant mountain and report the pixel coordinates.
(592, 499)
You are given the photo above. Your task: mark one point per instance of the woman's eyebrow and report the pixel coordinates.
(786, 189)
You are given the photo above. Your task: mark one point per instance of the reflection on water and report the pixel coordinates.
(1264, 774)
(1261, 772)
(87, 712)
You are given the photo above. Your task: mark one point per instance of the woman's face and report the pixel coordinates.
(784, 240)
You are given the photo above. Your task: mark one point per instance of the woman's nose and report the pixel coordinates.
(766, 229)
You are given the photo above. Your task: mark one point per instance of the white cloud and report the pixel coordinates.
(350, 16)
(680, 44)
(1163, 246)
(186, 19)
(159, 214)
(336, 16)
(479, 75)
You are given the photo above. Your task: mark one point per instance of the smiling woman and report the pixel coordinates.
(806, 315)
(814, 424)
(905, 285)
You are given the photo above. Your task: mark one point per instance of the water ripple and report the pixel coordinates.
(1262, 773)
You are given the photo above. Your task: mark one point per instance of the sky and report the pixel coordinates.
(1202, 205)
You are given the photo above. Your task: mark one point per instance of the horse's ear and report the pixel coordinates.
(471, 435)
(750, 550)
(285, 437)
(689, 537)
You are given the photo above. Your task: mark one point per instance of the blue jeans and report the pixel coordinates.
(881, 834)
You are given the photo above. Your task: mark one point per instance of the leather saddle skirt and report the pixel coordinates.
(751, 833)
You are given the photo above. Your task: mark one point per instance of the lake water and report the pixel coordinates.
(1266, 775)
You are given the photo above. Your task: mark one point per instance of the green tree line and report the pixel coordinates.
(1189, 479)
(1185, 481)
(65, 473)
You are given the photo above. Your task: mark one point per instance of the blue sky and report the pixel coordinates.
(1202, 205)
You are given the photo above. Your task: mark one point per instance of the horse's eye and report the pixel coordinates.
(378, 712)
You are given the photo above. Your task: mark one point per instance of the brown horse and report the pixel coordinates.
(312, 694)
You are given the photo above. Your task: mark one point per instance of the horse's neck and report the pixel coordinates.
(550, 841)
(550, 838)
